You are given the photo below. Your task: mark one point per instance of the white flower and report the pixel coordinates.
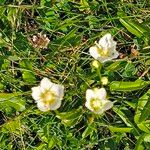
(48, 95)
(96, 100)
(105, 49)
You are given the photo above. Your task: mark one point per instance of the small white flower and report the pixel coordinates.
(96, 100)
(105, 49)
(48, 95)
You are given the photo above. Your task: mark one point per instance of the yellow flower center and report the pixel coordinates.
(96, 104)
(101, 51)
(48, 97)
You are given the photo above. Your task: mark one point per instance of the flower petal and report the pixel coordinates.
(89, 94)
(104, 40)
(114, 54)
(94, 52)
(108, 105)
(107, 42)
(56, 105)
(58, 90)
(87, 105)
(104, 59)
(43, 107)
(45, 84)
(100, 111)
(100, 93)
(36, 93)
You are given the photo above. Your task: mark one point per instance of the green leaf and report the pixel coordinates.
(42, 2)
(52, 142)
(13, 126)
(70, 118)
(131, 104)
(122, 116)
(115, 66)
(129, 70)
(128, 86)
(146, 111)
(42, 146)
(88, 131)
(3, 42)
(139, 145)
(28, 77)
(71, 122)
(144, 127)
(26, 64)
(2, 2)
(133, 27)
(147, 138)
(13, 58)
(84, 5)
(142, 112)
(12, 100)
(18, 104)
(125, 119)
(120, 129)
(11, 16)
(27, 71)
(66, 38)
(147, 62)
(1, 86)
(70, 115)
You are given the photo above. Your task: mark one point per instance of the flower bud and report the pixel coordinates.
(104, 80)
(90, 119)
(95, 64)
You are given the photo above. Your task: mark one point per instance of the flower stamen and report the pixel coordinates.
(48, 97)
(96, 104)
(100, 50)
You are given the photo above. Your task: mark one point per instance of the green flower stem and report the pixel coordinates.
(99, 72)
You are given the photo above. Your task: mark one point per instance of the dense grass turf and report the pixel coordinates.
(72, 27)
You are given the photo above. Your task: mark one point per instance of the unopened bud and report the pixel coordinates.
(104, 80)
(90, 119)
(96, 64)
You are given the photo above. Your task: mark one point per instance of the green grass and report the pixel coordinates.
(72, 27)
